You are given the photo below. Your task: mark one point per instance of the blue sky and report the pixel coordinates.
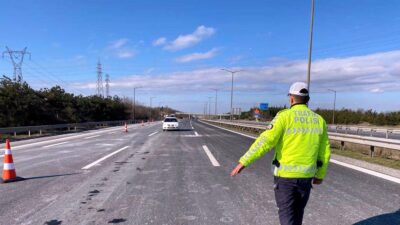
(175, 49)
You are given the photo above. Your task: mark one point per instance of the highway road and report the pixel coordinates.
(148, 176)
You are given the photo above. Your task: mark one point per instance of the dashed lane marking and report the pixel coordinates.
(92, 137)
(103, 158)
(105, 144)
(213, 160)
(61, 143)
(153, 133)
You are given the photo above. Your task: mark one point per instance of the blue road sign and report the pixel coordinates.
(263, 106)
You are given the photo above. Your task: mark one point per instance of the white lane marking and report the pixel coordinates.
(153, 133)
(360, 169)
(103, 158)
(249, 136)
(196, 134)
(113, 132)
(367, 171)
(63, 138)
(105, 144)
(75, 136)
(214, 161)
(91, 137)
(61, 143)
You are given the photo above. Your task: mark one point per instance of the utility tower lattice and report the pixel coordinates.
(100, 91)
(17, 58)
(107, 85)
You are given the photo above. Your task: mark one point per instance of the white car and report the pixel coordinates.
(170, 123)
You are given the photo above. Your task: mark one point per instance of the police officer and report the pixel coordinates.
(301, 157)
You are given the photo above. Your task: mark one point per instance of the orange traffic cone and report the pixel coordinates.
(126, 127)
(9, 173)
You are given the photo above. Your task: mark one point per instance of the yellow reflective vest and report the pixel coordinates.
(301, 144)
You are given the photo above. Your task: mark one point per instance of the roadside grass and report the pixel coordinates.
(391, 163)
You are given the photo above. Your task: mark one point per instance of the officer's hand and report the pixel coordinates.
(237, 169)
(317, 181)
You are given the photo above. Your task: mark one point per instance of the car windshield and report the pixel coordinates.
(170, 120)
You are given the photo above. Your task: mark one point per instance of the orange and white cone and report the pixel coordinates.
(126, 128)
(9, 173)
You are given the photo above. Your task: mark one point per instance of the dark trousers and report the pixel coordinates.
(291, 195)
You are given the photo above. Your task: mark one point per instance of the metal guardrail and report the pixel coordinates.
(356, 139)
(356, 130)
(67, 126)
(359, 130)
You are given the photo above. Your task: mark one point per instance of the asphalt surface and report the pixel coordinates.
(168, 178)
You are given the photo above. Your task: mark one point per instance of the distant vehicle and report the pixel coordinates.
(170, 123)
(172, 115)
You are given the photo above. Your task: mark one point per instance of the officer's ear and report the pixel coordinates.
(291, 99)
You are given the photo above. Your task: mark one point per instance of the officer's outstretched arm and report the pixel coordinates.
(324, 154)
(267, 140)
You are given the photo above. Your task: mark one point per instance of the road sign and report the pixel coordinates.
(263, 106)
(257, 113)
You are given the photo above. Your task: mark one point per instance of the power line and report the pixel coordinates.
(49, 76)
(17, 58)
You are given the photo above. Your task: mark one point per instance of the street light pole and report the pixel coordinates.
(151, 105)
(205, 110)
(134, 101)
(233, 73)
(334, 106)
(216, 100)
(209, 107)
(310, 46)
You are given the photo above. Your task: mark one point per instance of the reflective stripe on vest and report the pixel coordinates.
(295, 168)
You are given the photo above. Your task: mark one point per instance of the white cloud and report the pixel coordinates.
(149, 70)
(160, 41)
(370, 73)
(377, 90)
(188, 40)
(125, 53)
(120, 49)
(117, 44)
(197, 56)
